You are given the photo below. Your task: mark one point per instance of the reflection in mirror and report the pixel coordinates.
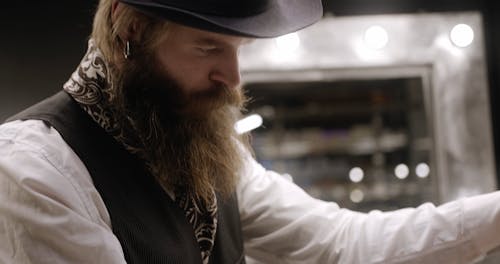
(356, 108)
(356, 142)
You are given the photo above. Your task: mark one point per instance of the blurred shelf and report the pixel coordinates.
(318, 131)
(292, 145)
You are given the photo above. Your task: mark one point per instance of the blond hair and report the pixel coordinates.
(147, 31)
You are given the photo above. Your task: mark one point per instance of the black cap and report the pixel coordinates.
(251, 18)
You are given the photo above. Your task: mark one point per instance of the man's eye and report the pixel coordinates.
(206, 50)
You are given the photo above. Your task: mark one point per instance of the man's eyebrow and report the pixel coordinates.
(209, 41)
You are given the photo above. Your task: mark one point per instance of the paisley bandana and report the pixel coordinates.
(90, 86)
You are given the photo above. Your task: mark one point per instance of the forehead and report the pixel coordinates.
(198, 36)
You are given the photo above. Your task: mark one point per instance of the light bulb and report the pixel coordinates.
(248, 124)
(376, 37)
(357, 196)
(356, 174)
(462, 35)
(422, 170)
(402, 171)
(288, 43)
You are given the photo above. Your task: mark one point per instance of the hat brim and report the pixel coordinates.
(283, 17)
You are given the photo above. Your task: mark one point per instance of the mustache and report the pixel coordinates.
(166, 95)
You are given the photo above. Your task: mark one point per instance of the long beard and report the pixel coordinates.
(188, 139)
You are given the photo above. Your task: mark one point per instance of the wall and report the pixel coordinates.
(40, 46)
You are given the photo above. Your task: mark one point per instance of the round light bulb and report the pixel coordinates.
(357, 196)
(288, 43)
(402, 171)
(376, 37)
(356, 174)
(422, 170)
(462, 35)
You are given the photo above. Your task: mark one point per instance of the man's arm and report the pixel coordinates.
(47, 213)
(283, 224)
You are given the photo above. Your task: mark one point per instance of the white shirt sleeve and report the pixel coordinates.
(282, 224)
(49, 210)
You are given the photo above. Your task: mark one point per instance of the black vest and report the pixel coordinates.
(149, 225)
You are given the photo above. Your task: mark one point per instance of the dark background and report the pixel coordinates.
(41, 42)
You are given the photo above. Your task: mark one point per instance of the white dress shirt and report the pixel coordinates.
(50, 212)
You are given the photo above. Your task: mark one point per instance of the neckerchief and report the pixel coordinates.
(92, 89)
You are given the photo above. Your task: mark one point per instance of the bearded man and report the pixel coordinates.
(137, 161)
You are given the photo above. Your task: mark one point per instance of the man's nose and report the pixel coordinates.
(227, 71)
